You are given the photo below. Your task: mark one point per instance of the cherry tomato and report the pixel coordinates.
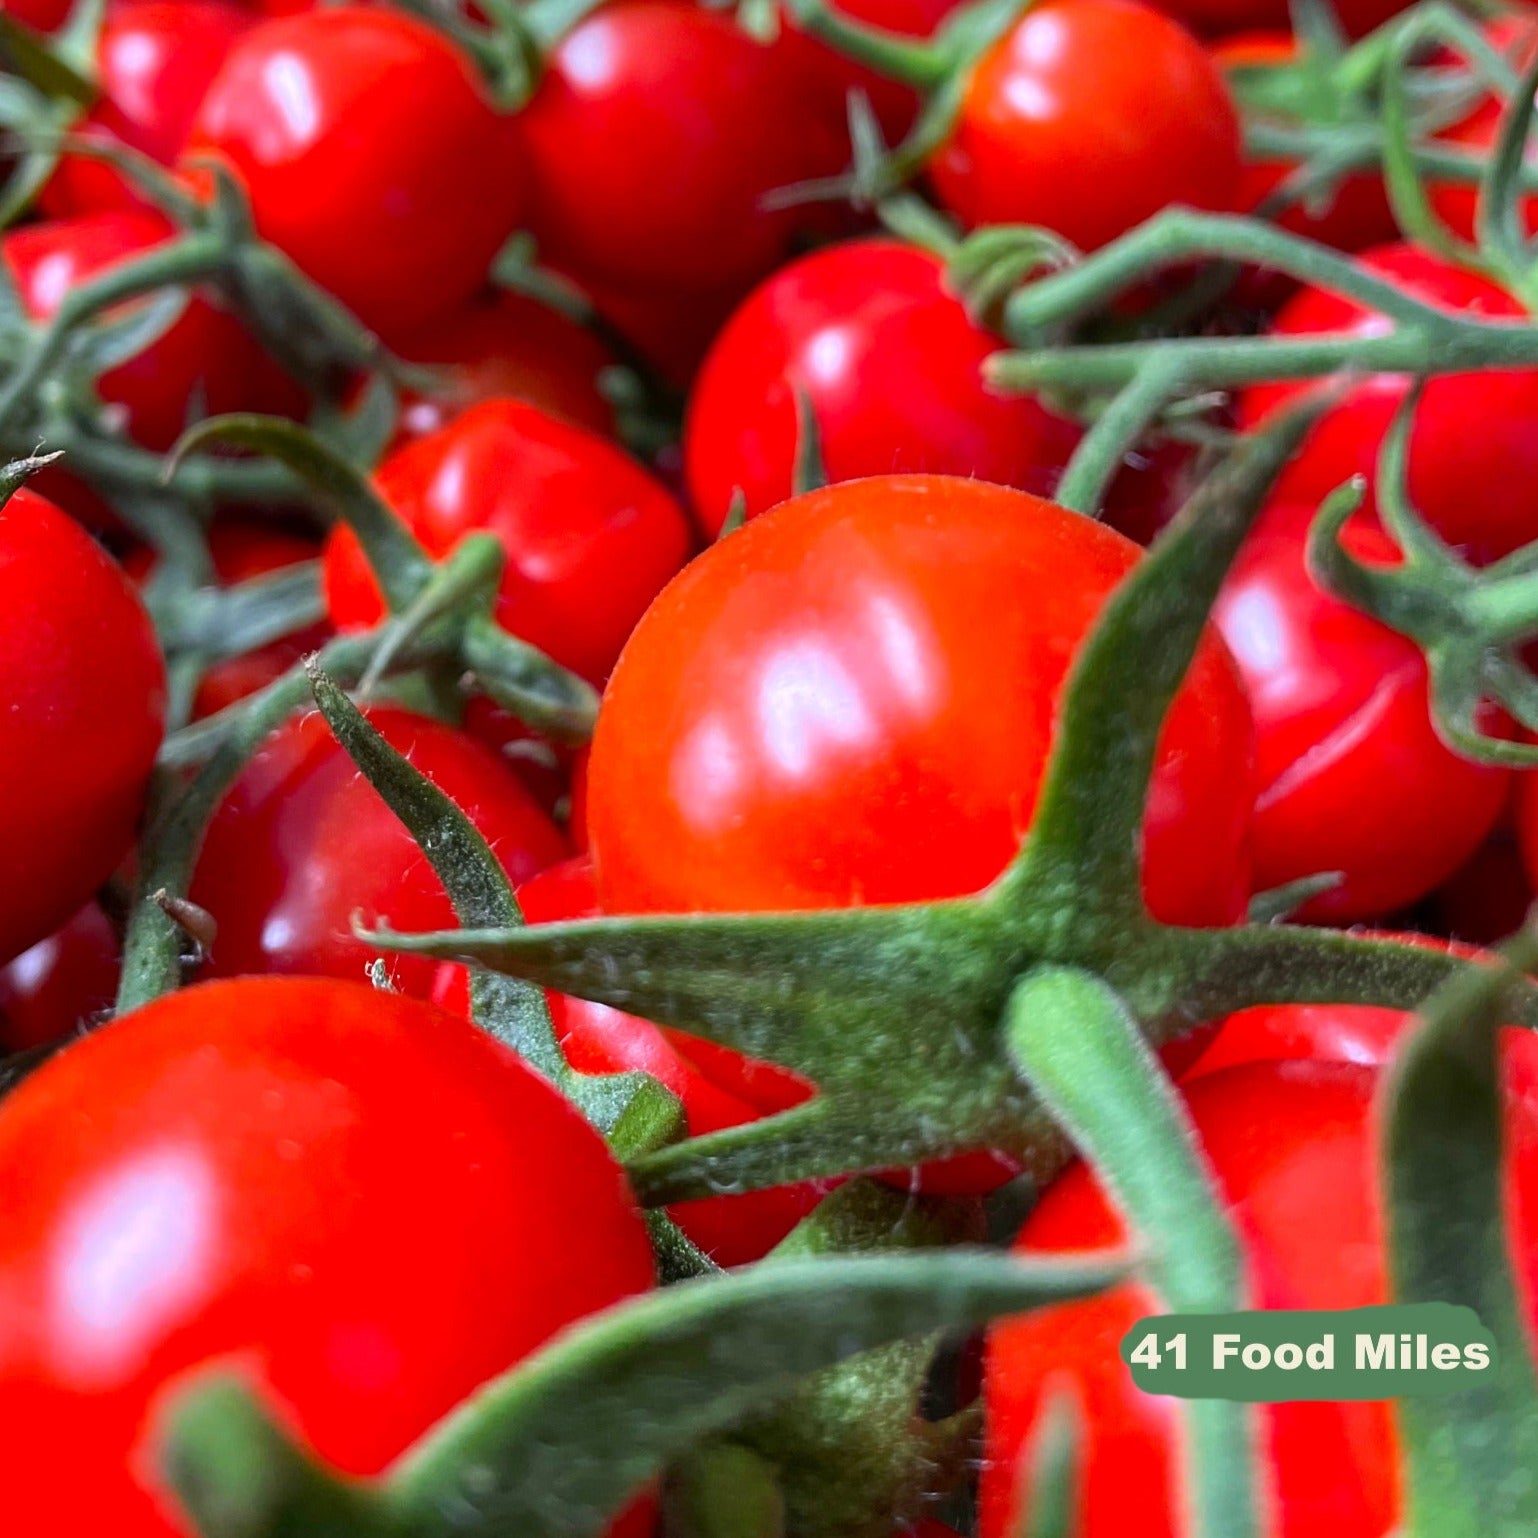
(371, 156)
(1090, 116)
(303, 843)
(668, 329)
(1304, 1198)
(82, 704)
(851, 700)
(590, 536)
(655, 137)
(889, 364)
(1217, 17)
(241, 552)
(1527, 823)
(717, 1087)
(63, 982)
(1353, 777)
(40, 15)
(1472, 458)
(1486, 899)
(1355, 214)
(348, 1197)
(205, 358)
(155, 60)
(509, 346)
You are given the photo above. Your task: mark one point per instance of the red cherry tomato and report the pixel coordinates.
(655, 137)
(1353, 777)
(1088, 117)
(1527, 823)
(668, 329)
(82, 704)
(349, 1198)
(1473, 459)
(241, 552)
(1487, 898)
(590, 536)
(371, 156)
(154, 63)
(40, 15)
(65, 981)
(1218, 17)
(206, 358)
(1304, 1197)
(851, 700)
(1355, 214)
(514, 347)
(718, 1088)
(890, 365)
(303, 843)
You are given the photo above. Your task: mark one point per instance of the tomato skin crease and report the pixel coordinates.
(303, 844)
(1088, 117)
(1348, 758)
(847, 702)
(341, 1195)
(82, 706)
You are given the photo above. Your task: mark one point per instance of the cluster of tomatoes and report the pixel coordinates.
(342, 1187)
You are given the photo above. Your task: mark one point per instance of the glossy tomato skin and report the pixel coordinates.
(82, 705)
(508, 346)
(155, 60)
(851, 700)
(242, 552)
(371, 156)
(302, 844)
(1352, 775)
(890, 365)
(1090, 116)
(1293, 1146)
(345, 1196)
(718, 1088)
(658, 130)
(1473, 460)
(206, 358)
(61, 983)
(590, 536)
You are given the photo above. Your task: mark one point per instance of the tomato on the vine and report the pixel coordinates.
(509, 346)
(718, 1088)
(657, 134)
(358, 1202)
(1088, 117)
(61, 983)
(1473, 458)
(82, 705)
(303, 843)
(205, 358)
(590, 536)
(371, 155)
(888, 364)
(1352, 775)
(155, 60)
(852, 699)
(1304, 1197)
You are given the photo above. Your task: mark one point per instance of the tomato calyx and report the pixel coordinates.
(895, 1012)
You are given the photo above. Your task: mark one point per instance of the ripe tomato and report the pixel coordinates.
(356, 1201)
(1304, 1197)
(82, 704)
(1355, 215)
(241, 552)
(890, 365)
(717, 1087)
(1090, 116)
(40, 15)
(205, 359)
(851, 700)
(62, 982)
(303, 843)
(1527, 823)
(1473, 461)
(514, 347)
(155, 60)
(1353, 777)
(1486, 899)
(1219, 17)
(658, 131)
(371, 156)
(590, 536)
